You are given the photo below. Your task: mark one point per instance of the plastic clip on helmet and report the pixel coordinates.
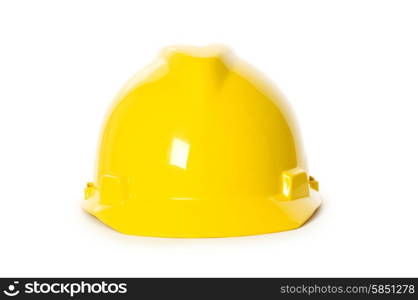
(200, 145)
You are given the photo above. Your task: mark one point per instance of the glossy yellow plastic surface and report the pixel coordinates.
(200, 145)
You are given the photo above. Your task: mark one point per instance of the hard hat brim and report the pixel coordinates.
(198, 218)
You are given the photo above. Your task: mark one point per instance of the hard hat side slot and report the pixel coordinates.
(295, 184)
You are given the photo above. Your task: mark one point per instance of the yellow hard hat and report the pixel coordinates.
(200, 145)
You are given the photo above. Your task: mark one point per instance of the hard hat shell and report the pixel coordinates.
(200, 145)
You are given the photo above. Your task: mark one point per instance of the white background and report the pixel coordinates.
(349, 69)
